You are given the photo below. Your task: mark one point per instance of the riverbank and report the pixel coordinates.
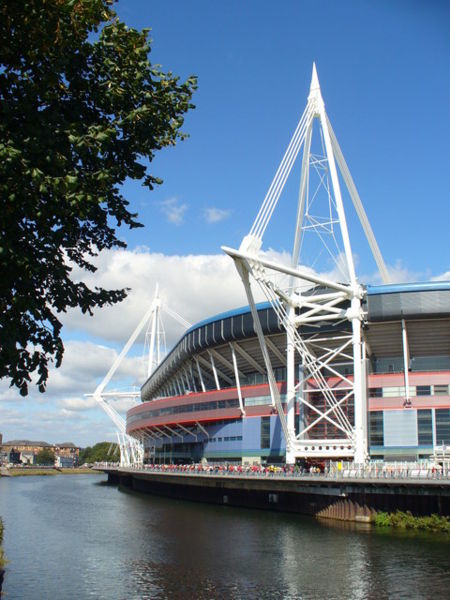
(323, 496)
(23, 471)
(405, 520)
(2, 556)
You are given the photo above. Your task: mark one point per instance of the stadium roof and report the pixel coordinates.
(426, 307)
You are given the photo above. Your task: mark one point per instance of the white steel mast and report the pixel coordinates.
(131, 448)
(328, 302)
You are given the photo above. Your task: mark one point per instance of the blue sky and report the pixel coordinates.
(383, 69)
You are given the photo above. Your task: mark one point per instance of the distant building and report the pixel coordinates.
(67, 450)
(27, 458)
(13, 457)
(25, 452)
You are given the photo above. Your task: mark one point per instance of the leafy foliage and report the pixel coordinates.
(2, 555)
(101, 452)
(81, 110)
(405, 520)
(45, 457)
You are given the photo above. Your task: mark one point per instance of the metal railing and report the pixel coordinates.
(333, 471)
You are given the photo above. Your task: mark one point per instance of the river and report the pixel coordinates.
(73, 537)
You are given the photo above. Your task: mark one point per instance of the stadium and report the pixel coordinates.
(210, 399)
(326, 368)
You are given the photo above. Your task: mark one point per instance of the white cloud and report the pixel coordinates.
(215, 215)
(174, 210)
(63, 412)
(444, 277)
(78, 404)
(195, 286)
(401, 274)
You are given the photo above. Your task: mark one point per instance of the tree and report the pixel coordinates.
(81, 110)
(45, 457)
(101, 452)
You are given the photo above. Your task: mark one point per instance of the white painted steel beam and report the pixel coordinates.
(214, 370)
(202, 429)
(251, 361)
(225, 362)
(202, 383)
(238, 383)
(319, 359)
(188, 431)
(209, 366)
(299, 273)
(173, 432)
(407, 402)
(275, 351)
(359, 207)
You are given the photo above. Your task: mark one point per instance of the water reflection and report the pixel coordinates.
(72, 538)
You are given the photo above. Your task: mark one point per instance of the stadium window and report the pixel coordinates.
(376, 428)
(443, 426)
(393, 392)
(440, 390)
(423, 390)
(259, 378)
(265, 432)
(375, 392)
(425, 427)
(232, 403)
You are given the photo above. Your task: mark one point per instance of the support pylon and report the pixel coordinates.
(323, 319)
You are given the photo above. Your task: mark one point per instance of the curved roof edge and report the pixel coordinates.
(393, 288)
(242, 310)
(384, 302)
(372, 290)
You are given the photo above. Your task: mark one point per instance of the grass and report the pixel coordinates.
(28, 472)
(2, 555)
(406, 520)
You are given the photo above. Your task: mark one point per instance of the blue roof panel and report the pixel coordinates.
(396, 288)
(226, 315)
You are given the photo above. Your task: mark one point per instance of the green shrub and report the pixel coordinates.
(405, 520)
(2, 556)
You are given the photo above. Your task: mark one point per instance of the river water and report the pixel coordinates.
(73, 537)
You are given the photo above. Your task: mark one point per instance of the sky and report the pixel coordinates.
(383, 70)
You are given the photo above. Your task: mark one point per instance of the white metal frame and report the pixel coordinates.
(132, 447)
(327, 303)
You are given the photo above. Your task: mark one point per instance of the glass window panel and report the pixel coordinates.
(440, 390)
(443, 426)
(423, 390)
(376, 434)
(425, 427)
(265, 432)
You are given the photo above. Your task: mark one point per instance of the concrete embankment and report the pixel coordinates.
(343, 499)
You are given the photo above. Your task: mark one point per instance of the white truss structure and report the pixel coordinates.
(155, 337)
(316, 375)
(131, 448)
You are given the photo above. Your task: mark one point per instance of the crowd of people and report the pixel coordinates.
(375, 470)
(251, 469)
